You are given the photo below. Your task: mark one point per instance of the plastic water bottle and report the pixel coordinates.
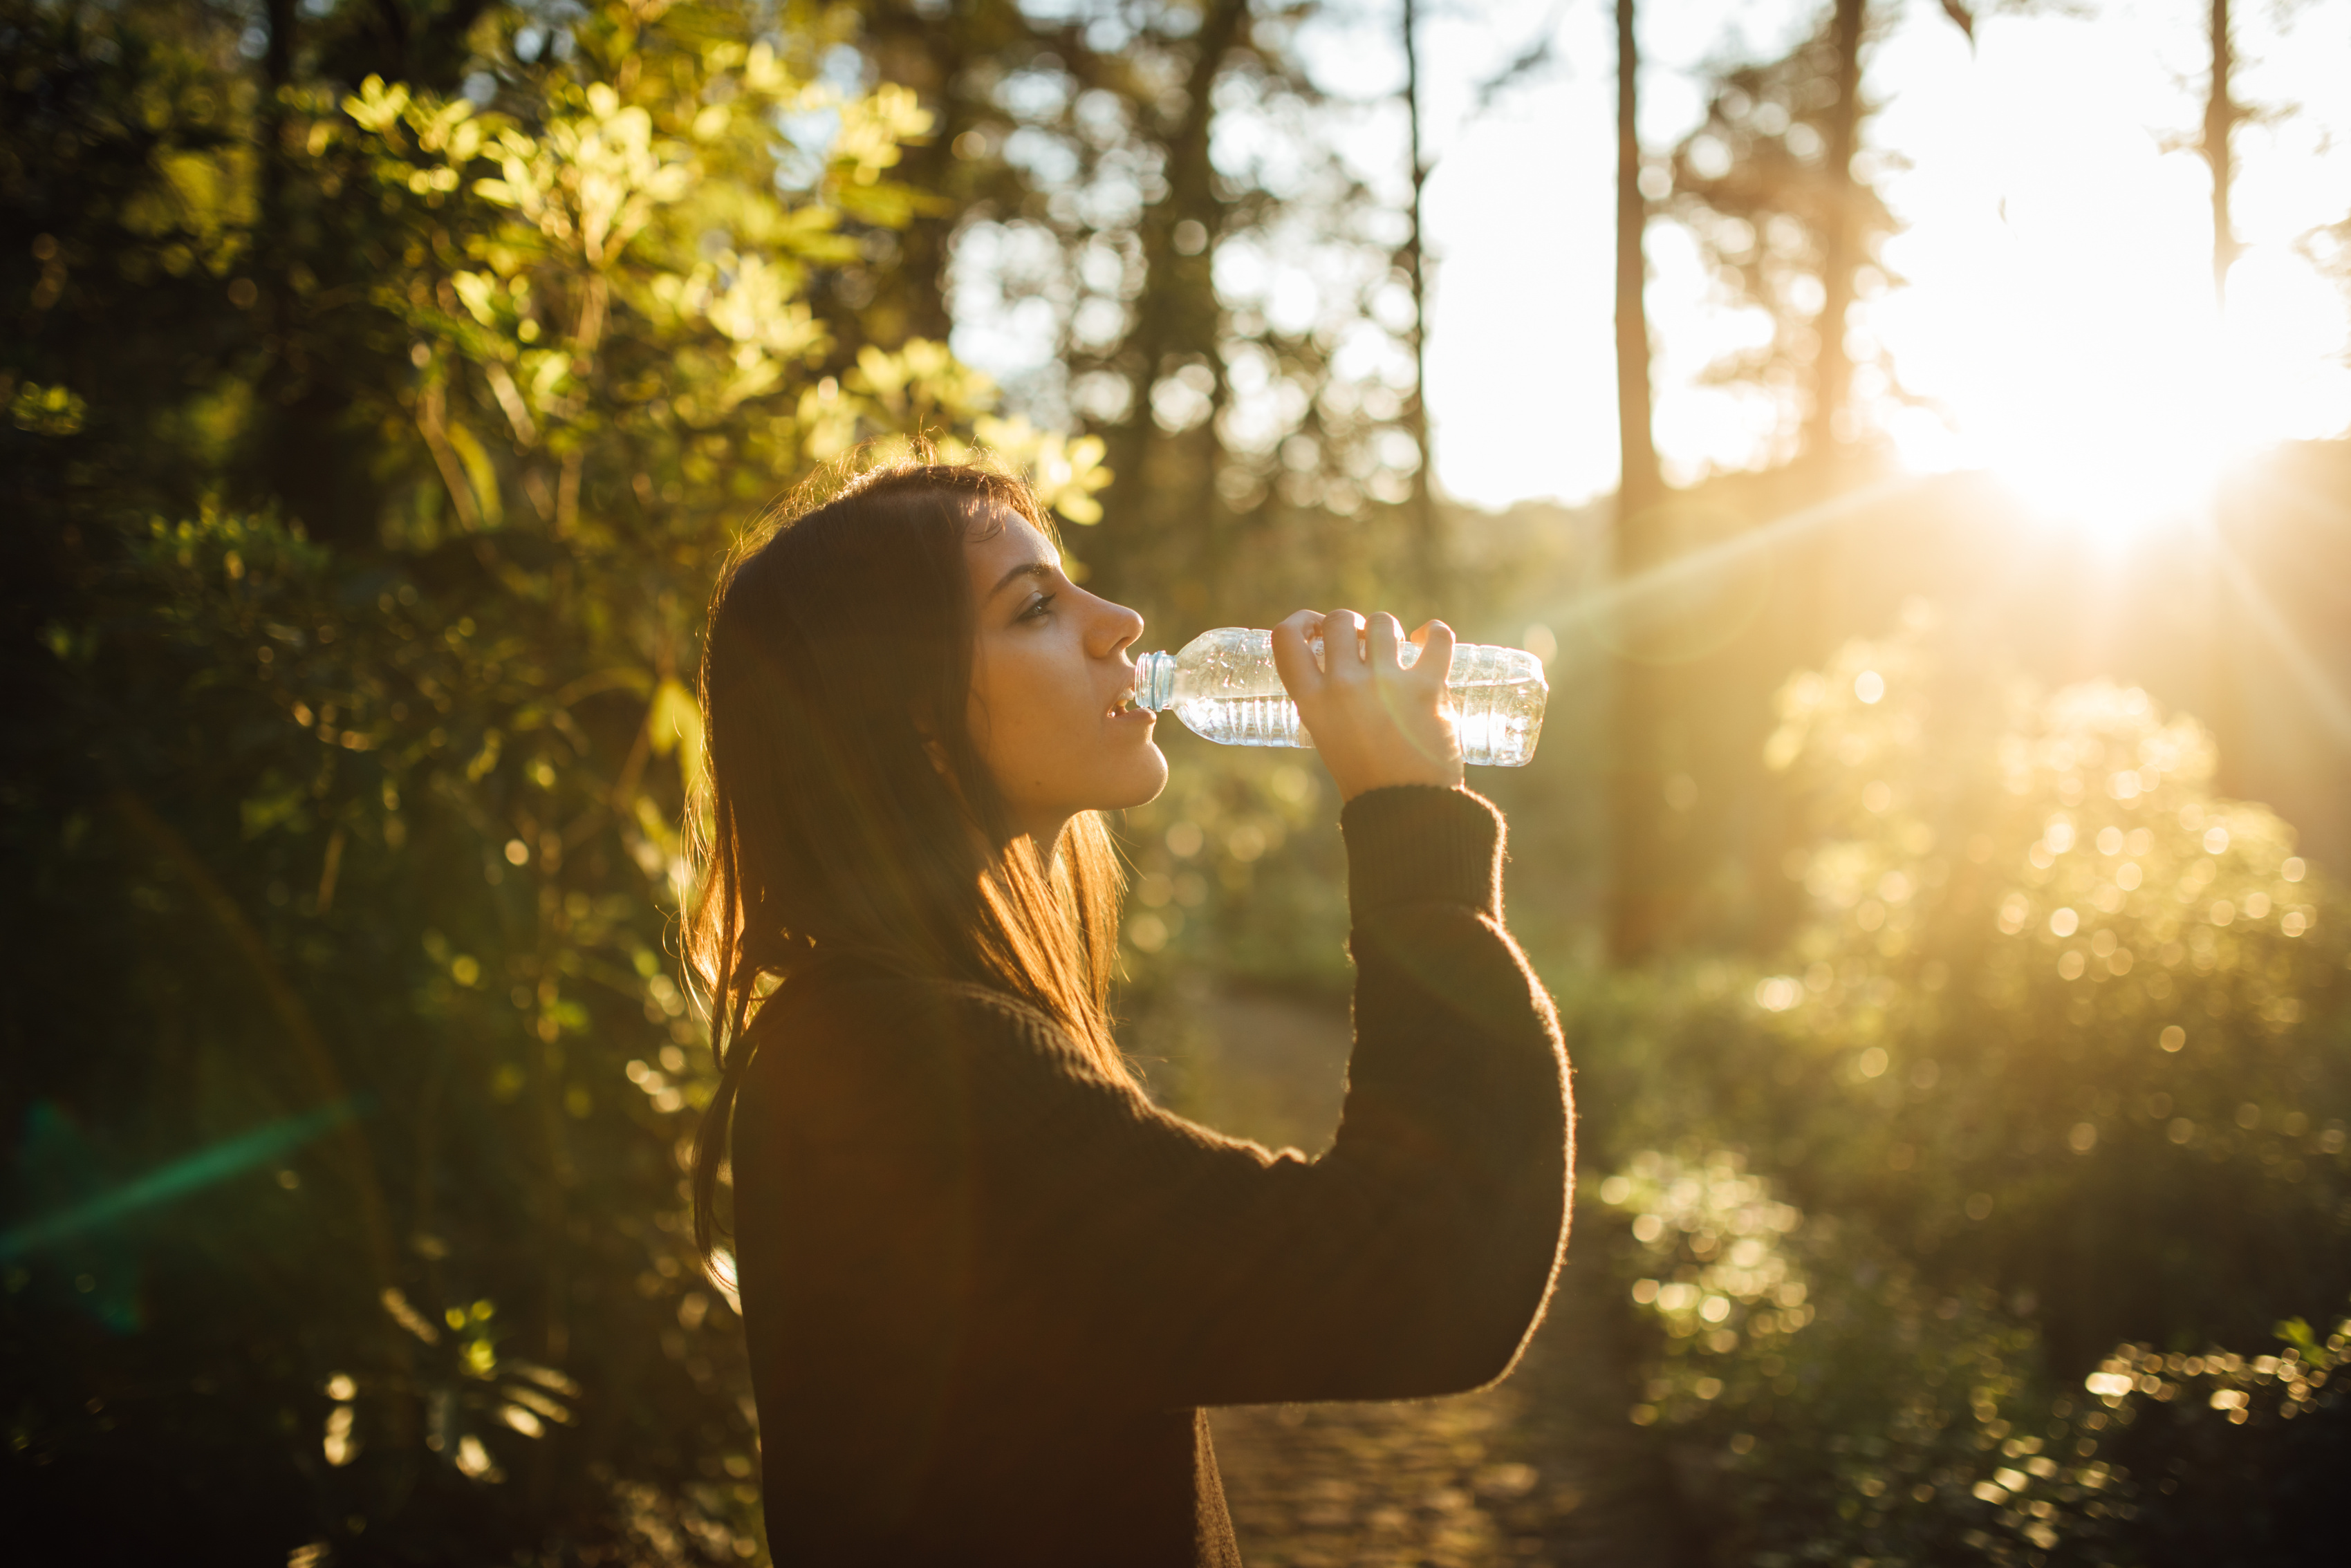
(1223, 685)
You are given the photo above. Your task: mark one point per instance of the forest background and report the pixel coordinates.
(1962, 1056)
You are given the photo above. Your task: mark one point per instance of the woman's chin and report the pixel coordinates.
(1142, 780)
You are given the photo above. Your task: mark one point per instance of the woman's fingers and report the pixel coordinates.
(1381, 636)
(1342, 650)
(1374, 722)
(1435, 640)
(1292, 659)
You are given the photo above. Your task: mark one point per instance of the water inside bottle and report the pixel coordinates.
(1498, 705)
(1224, 687)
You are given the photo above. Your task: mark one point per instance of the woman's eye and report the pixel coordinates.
(1036, 611)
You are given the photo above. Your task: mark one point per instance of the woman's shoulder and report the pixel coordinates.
(840, 1002)
(861, 1047)
(863, 986)
(886, 1012)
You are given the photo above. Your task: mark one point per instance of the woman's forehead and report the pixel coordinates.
(1001, 537)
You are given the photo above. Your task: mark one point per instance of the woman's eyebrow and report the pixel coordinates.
(1026, 569)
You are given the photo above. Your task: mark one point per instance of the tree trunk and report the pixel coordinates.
(1427, 535)
(2220, 117)
(287, 461)
(930, 55)
(1177, 316)
(277, 76)
(1637, 892)
(1641, 486)
(1832, 371)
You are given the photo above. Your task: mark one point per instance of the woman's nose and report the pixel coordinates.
(1116, 626)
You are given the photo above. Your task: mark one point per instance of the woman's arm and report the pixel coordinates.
(1130, 1255)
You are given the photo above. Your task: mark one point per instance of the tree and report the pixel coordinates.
(1430, 542)
(1841, 246)
(1637, 889)
(2221, 114)
(1640, 484)
(1149, 202)
(1779, 191)
(346, 784)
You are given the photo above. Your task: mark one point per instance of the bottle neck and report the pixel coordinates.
(1154, 681)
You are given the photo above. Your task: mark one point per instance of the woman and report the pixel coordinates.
(987, 1285)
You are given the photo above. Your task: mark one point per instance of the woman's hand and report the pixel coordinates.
(1374, 722)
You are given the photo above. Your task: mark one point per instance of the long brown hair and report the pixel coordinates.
(847, 810)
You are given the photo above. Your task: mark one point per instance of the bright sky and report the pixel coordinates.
(2059, 306)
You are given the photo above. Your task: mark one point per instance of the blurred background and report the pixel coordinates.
(1913, 434)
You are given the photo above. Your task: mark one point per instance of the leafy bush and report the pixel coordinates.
(2057, 1060)
(2235, 1460)
(1822, 1404)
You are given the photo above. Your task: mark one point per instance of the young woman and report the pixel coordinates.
(988, 1284)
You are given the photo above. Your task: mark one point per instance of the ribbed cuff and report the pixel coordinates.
(1419, 843)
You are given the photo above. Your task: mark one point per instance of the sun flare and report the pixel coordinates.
(2119, 409)
(2072, 346)
(2122, 412)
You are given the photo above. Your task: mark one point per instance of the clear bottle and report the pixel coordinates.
(1223, 685)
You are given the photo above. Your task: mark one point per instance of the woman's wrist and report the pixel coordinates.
(1422, 843)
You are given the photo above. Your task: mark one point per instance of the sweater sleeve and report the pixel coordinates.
(1138, 1257)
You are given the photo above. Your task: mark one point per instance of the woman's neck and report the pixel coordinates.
(1045, 837)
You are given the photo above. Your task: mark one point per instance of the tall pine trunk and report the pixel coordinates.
(1638, 891)
(1159, 488)
(1833, 368)
(2220, 117)
(1427, 535)
(933, 54)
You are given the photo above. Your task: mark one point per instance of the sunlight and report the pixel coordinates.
(2318, 687)
(2087, 446)
(2054, 312)
(2071, 347)
(2085, 365)
(2119, 414)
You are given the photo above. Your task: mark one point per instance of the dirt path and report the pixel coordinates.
(1542, 1468)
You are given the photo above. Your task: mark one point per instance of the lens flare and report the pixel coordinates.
(201, 1169)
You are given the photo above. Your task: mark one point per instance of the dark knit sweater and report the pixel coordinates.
(988, 1289)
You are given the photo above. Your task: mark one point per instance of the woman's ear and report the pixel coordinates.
(931, 746)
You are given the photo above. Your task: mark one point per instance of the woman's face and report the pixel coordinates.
(1048, 674)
